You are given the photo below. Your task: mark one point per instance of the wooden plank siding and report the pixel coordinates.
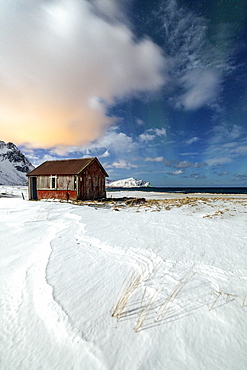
(57, 194)
(65, 188)
(92, 183)
(63, 182)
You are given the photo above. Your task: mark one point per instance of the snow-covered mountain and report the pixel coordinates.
(127, 183)
(13, 165)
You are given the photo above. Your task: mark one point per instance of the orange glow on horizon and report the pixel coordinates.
(50, 126)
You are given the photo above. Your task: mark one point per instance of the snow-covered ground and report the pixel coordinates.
(144, 287)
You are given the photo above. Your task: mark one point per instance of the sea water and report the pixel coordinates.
(186, 190)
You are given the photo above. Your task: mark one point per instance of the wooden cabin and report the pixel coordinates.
(69, 179)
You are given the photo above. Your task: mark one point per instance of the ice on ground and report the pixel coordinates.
(91, 288)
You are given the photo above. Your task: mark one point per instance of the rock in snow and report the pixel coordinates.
(13, 165)
(127, 183)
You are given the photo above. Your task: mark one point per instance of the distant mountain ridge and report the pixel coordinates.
(127, 183)
(13, 165)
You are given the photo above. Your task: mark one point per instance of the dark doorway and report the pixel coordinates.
(33, 188)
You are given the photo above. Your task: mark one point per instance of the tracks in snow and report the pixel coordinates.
(162, 290)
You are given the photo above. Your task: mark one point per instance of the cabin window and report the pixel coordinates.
(53, 182)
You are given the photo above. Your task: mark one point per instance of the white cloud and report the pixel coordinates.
(157, 159)
(112, 10)
(197, 176)
(47, 157)
(241, 150)
(184, 164)
(151, 133)
(241, 178)
(199, 164)
(139, 122)
(160, 132)
(201, 88)
(175, 173)
(112, 141)
(189, 154)
(105, 154)
(122, 164)
(218, 161)
(192, 140)
(227, 143)
(196, 66)
(176, 164)
(225, 132)
(62, 65)
(145, 137)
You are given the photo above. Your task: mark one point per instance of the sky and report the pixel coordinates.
(156, 89)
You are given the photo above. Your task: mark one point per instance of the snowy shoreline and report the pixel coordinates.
(19, 190)
(162, 195)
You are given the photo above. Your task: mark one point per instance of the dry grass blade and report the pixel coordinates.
(174, 293)
(243, 303)
(143, 313)
(218, 296)
(131, 285)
